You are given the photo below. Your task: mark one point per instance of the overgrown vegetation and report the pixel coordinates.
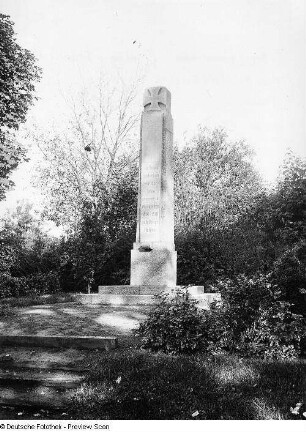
(174, 326)
(250, 321)
(253, 320)
(33, 285)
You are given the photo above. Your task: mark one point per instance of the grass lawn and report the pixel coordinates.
(130, 383)
(136, 384)
(71, 319)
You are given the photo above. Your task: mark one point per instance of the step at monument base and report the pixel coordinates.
(129, 295)
(105, 343)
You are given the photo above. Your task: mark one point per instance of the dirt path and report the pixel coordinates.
(73, 319)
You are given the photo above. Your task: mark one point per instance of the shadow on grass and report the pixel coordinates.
(134, 384)
(285, 385)
(72, 319)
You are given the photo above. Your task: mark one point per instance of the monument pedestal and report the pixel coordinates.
(135, 295)
(154, 267)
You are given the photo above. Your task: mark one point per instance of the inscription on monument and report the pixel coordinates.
(149, 210)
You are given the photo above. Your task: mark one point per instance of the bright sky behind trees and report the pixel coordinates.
(238, 64)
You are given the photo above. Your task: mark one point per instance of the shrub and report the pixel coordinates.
(12, 286)
(289, 273)
(252, 321)
(33, 285)
(241, 299)
(43, 283)
(276, 333)
(174, 325)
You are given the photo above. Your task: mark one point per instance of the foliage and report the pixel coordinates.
(208, 253)
(18, 73)
(216, 186)
(11, 286)
(84, 163)
(280, 218)
(215, 180)
(24, 242)
(253, 236)
(32, 285)
(11, 153)
(44, 283)
(100, 247)
(29, 264)
(280, 214)
(290, 201)
(250, 321)
(89, 175)
(253, 321)
(174, 325)
(276, 333)
(289, 274)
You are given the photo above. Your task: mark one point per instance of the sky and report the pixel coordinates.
(237, 64)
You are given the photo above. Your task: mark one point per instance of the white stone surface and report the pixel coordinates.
(153, 258)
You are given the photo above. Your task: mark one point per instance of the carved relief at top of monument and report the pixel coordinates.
(157, 99)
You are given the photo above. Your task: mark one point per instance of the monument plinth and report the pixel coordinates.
(153, 258)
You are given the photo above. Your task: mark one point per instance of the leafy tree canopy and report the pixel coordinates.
(215, 181)
(84, 163)
(18, 73)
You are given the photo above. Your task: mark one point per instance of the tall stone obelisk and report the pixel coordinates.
(153, 257)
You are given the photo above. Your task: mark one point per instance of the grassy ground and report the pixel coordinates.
(134, 384)
(130, 383)
(71, 319)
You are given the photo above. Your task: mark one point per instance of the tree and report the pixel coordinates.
(280, 217)
(279, 214)
(11, 153)
(89, 178)
(83, 163)
(99, 249)
(29, 259)
(23, 242)
(18, 73)
(216, 185)
(215, 180)
(290, 200)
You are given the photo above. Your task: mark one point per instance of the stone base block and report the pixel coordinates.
(125, 298)
(206, 299)
(116, 299)
(145, 289)
(155, 267)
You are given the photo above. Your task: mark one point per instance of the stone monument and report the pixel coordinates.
(153, 258)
